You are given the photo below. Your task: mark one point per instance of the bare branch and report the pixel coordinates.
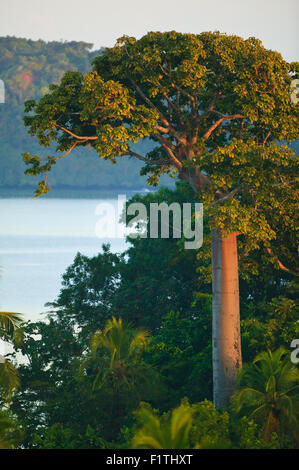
(164, 120)
(228, 117)
(183, 92)
(266, 138)
(76, 136)
(169, 147)
(212, 128)
(164, 130)
(226, 197)
(280, 264)
(176, 162)
(217, 123)
(164, 141)
(63, 155)
(144, 159)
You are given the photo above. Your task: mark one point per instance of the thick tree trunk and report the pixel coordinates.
(227, 357)
(226, 340)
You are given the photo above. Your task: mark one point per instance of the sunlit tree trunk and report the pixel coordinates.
(227, 357)
(226, 337)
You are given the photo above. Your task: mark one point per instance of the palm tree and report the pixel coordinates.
(10, 432)
(9, 379)
(115, 360)
(117, 352)
(157, 433)
(269, 393)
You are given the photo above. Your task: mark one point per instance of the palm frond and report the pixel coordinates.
(156, 433)
(9, 321)
(9, 378)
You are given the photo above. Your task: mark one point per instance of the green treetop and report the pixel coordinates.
(217, 108)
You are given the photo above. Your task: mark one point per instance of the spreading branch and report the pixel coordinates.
(230, 195)
(164, 120)
(144, 159)
(77, 136)
(217, 123)
(280, 264)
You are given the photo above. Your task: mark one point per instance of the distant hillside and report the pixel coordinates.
(27, 68)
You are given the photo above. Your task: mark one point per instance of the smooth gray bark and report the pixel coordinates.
(227, 358)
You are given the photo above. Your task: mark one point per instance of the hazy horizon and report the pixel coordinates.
(101, 23)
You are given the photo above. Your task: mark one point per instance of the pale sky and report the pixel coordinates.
(101, 22)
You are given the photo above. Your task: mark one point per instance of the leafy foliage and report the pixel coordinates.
(10, 431)
(269, 393)
(58, 437)
(9, 378)
(154, 287)
(187, 426)
(217, 110)
(171, 433)
(117, 353)
(9, 322)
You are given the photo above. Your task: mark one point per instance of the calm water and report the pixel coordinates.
(38, 240)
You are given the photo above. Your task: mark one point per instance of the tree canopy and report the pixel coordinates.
(216, 108)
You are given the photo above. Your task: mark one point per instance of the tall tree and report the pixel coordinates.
(217, 108)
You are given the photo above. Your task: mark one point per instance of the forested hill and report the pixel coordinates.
(27, 68)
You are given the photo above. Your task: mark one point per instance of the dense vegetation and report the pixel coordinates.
(27, 69)
(123, 322)
(125, 357)
(219, 110)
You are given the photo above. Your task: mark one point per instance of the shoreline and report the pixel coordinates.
(71, 193)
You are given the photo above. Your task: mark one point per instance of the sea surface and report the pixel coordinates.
(39, 239)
